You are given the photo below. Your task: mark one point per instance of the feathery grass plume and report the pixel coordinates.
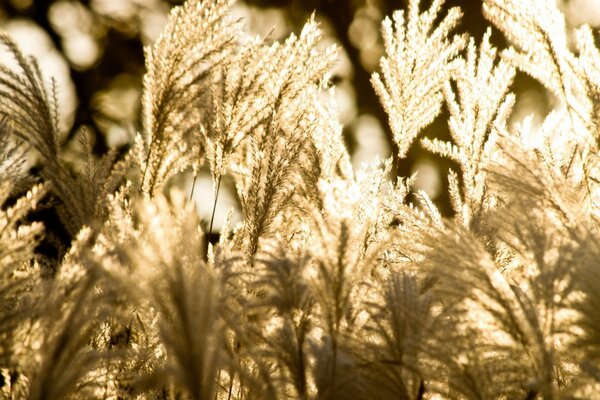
(240, 100)
(546, 259)
(398, 327)
(29, 111)
(419, 59)
(170, 278)
(132, 329)
(247, 96)
(339, 271)
(407, 225)
(345, 245)
(587, 342)
(70, 311)
(483, 105)
(479, 299)
(588, 65)
(17, 276)
(352, 197)
(549, 169)
(28, 106)
(462, 362)
(246, 91)
(282, 335)
(549, 191)
(270, 186)
(547, 180)
(191, 330)
(540, 48)
(14, 160)
(66, 358)
(327, 158)
(130, 334)
(128, 337)
(199, 36)
(96, 179)
(119, 226)
(352, 204)
(278, 147)
(410, 225)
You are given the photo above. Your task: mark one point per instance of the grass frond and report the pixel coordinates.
(419, 60)
(279, 146)
(17, 276)
(538, 31)
(480, 104)
(199, 37)
(29, 114)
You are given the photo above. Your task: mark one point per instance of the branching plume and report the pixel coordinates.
(419, 59)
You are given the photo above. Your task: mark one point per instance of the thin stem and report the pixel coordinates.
(421, 392)
(193, 186)
(395, 162)
(218, 384)
(212, 217)
(230, 390)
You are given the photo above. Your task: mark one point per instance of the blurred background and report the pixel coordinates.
(94, 50)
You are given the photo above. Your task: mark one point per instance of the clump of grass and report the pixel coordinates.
(334, 284)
